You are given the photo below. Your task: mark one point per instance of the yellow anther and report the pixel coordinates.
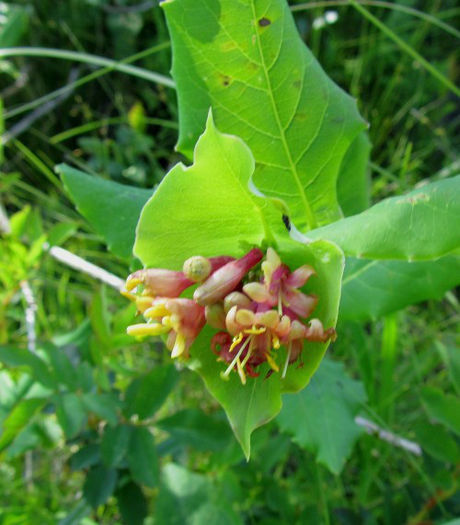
(179, 346)
(146, 329)
(128, 295)
(241, 372)
(255, 331)
(272, 362)
(157, 310)
(143, 303)
(132, 282)
(236, 341)
(275, 342)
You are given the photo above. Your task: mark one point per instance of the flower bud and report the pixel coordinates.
(197, 268)
(236, 299)
(159, 282)
(226, 279)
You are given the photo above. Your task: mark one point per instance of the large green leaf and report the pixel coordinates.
(112, 209)
(246, 60)
(193, 212)
(418, 226)
(206, 208)
(374, 288)
(353, 184)
(321, 417)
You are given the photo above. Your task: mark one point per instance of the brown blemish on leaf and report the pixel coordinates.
(264, 22)
(297, 84)
(226, 80)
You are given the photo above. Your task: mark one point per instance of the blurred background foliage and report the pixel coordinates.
(98, 429)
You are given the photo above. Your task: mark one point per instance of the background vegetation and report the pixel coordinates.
(98, 429)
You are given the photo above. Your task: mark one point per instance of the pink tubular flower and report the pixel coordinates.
(226, 279)
(159, 282)
(181, 319)
(280, 287)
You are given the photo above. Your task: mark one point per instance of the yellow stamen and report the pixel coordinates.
(157, 310)
(132, 282)
(275, 342)
(255, 331)
(179, 346)
(241, 372)
(271, 362)
(143, 303)
(146, 329)
(236, 359)
(236, 341)
(128, 295)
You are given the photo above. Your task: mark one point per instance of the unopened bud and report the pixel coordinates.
(197, 268)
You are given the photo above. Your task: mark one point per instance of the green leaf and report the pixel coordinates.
(321, 417)
(71, 413)
(114, 444)
(187, 498)
(213, 207)
(221, 216)
(104, 405)
(435, 440)
(99, 485)
(21, 357)
(14, 20)
(63, 370)
(374, 288)
(247, 62)
(191, 427)
(87, 456)
(142, 457)
(443, 408)
(112, 209)
(416, 226)
(147, 393)
(132, 503)
(353, 184)
(18, 418)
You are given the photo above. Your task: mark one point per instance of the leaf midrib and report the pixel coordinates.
(311, 221)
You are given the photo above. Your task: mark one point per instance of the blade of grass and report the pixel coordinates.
(86, 58)
(91, 126)
(83, 80)
(405, 47)
(37, 162)
(386, 5)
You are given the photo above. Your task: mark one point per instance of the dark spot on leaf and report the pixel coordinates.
(287, 222)
(226, 80)
(297, 84)
(264, 22)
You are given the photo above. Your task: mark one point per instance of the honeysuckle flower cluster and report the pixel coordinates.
(254, 318)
